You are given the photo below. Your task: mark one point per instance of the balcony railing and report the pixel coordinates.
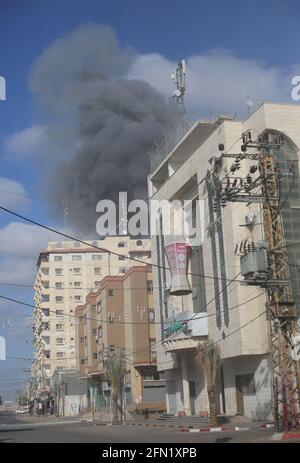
(158, 152)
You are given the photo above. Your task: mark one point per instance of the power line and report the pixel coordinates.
(65, 235)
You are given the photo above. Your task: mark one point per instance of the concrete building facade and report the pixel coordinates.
(230, 313)
(68, 271)
(120, 317)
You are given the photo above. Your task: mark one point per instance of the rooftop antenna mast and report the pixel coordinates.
(66, 214)
(179, 80)
(249, 104)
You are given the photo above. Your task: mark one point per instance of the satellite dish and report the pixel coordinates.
(177, 92)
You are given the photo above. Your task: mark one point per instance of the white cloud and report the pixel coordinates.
(42, 143)
(12, 194)
(217, 81)
(27, 142)
(23, 240)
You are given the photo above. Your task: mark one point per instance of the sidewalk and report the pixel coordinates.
(45, 418)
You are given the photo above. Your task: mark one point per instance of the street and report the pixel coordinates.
(20, 429)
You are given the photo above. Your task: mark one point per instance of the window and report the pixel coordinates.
(96, 257)
(59, 355)
(59, 341)
(45, 298)
(46, 312)
(151, 316)
(45, 284)
(47, 354)
(58, 285)
(97, 270)
(153, 356)
(248, 384)
(59, 312)
(45, 326)
(112, 348)
(46, 339)
(77, 284)
(110, 292)
(58, 271)
(97, 283)
(59, 326)
(153, 350)
(76, 257)
(82, 362)
(122, 257)
(58, 258)
(99, 306)
(139, 243)
(123, 270)
(45, 258)
(95, 355)
(77, 298)
(45, 270)
(82, 340)
(76, 270)
(150, 286)
(59, 299)
(94, 331)
(76, 244)
(93, 308)
(122, 244)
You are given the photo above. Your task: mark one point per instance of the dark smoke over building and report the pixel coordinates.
(110, 121)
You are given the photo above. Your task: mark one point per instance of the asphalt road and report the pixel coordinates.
(14, 428)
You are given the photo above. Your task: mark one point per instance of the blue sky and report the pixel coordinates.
(259, 36)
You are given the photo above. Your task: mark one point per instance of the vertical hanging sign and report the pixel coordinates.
(178, 255)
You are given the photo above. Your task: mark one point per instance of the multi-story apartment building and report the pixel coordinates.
(120, 316)
(67, 272)
(230, 313)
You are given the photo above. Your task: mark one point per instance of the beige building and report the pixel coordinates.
(67, 272)
(221, 309)
(120, 316)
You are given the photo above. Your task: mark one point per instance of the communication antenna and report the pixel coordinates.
(66, 214)
(249, 104)
(179, 80)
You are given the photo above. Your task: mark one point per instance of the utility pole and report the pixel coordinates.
(275, 278)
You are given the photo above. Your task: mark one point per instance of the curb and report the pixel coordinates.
(226, 429)
(204, 429)
(285, 435)
(188, 428)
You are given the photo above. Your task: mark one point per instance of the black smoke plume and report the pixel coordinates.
(109, 121)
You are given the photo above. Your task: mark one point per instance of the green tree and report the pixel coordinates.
(22, 398)
(115, 371)
(210, 360)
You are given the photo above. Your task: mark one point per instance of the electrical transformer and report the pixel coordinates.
(254, 266)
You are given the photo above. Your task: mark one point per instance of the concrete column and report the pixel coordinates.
(185, 385)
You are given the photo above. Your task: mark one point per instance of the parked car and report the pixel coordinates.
(23, 410)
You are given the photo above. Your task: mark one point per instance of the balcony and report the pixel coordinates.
(182, 333)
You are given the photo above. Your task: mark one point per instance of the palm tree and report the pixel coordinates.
(210, 359)
(115, 370)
